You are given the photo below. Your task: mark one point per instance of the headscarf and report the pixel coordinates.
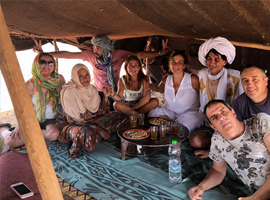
(77, 99)
(221, 45)
(51, 83)
(106, 46)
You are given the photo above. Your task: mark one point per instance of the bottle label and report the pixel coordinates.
(176, 169)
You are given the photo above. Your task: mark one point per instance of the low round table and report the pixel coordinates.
(148, 145)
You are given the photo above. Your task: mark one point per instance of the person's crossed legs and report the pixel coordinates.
(12, 140)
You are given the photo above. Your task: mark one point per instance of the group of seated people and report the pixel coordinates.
(211, 104)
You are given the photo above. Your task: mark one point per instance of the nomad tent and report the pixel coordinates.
(244, 22)
(187, 23)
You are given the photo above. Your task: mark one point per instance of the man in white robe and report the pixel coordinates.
(216, 82)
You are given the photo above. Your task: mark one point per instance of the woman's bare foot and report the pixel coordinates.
(4, 127)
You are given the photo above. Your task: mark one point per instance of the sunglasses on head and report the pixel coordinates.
(44, 62)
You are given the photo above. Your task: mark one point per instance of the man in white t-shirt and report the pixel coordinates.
(245, 146)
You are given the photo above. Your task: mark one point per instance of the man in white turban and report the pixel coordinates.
(216, 82)
(105, 60)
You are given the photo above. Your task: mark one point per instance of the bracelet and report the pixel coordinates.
(113, 95)
(160, 52)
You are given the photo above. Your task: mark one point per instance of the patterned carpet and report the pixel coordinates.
(69, 192)
(103, 175)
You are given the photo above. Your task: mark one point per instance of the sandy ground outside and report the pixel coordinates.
(8, 117)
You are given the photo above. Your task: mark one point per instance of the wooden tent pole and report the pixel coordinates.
(148, 48)
(38, 154)
(56, 60)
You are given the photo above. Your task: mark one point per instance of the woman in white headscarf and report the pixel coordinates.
(83, 118)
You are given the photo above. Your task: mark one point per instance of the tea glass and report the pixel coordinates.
(176, 127)
(141, 119)
(181, 132)
(162, 132)
(154, 132)
(170, 127)
(134, 113)
(133, 121)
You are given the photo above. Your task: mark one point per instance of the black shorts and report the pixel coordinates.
(132, 103)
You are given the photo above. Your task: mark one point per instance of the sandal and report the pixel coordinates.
(5, 125)
(11, 129)
(3, 147)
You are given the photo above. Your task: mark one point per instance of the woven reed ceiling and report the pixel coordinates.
(240, 21)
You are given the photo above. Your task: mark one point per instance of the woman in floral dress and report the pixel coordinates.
(82, 117)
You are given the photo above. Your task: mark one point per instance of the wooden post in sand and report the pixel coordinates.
(38, 154)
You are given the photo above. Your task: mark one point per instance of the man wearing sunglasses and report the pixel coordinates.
(105, 60)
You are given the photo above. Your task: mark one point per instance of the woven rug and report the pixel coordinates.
(69, 192)
(103, 175)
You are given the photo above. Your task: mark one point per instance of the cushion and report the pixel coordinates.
(15, 167)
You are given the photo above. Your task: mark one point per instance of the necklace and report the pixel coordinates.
(213, 84)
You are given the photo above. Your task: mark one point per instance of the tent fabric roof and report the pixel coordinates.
(240, 21)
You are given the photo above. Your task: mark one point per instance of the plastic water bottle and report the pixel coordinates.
(175, 167)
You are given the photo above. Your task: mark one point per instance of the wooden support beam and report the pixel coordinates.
(36, 147)
(251, 45)
(245, 44)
